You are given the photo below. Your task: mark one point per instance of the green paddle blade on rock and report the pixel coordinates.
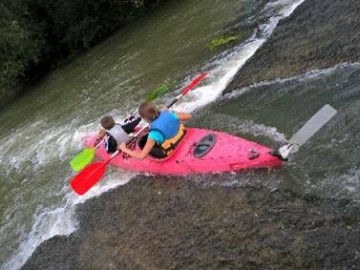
(81, 160)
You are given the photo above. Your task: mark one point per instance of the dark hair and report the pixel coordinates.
(107, 122)
(148, 111)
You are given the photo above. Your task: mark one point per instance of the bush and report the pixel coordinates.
(18, 48)
(35, 35)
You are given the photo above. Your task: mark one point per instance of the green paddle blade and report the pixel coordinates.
(158, 91)
(81, 160)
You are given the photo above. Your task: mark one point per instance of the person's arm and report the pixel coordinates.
(183, 116)
(129, 126)
(99, 136)
(136, 154)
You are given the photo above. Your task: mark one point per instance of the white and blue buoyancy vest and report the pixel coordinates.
(118, 134)
(166, 124)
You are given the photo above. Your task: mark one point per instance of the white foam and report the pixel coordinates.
(307, 76)
(341, 185)
(235, 125)
(49, 222)
(42, 149)
(51, 145)
(227, 68)
(47, 147)
(262, 130)
(220, 77)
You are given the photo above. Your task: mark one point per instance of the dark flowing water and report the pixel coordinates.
(42, 130)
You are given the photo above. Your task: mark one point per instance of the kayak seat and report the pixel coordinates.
(156, 152)
(204, 146)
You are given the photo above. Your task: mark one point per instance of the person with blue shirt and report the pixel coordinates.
(165, 133)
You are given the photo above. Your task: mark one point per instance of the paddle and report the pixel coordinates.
(81, 160)
(159, 91)
(313, 125)
(92, 174)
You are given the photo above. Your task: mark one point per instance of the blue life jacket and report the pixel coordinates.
(166, 124)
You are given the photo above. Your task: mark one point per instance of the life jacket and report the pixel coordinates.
(171, 128)
(118, 133)
(116, 137)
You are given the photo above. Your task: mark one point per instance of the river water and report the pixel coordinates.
(41, 131)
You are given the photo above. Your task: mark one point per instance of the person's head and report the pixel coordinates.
(107, 122)
(148, 111)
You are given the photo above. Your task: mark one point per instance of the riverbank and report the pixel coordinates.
(319, 34)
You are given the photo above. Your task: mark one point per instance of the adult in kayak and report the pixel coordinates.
(116, 133)
(165, 132)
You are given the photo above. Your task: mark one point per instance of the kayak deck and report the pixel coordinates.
(229, 153)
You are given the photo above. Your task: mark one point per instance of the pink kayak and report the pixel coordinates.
(200, 151)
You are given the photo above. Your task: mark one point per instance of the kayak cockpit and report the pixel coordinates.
(204, 146)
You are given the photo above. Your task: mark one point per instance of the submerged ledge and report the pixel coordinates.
(317, 35)
(167, 223)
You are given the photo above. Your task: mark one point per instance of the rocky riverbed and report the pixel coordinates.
(319, 34)
(154, 223)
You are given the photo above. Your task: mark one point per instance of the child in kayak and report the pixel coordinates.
(116, 133)
(166, 131)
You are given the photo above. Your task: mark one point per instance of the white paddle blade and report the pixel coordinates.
(312, 126)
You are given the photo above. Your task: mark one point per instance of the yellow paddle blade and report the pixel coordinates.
(81, 160)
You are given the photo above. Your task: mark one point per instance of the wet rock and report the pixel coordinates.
(319, 34)
(153, 223)
(57, 253)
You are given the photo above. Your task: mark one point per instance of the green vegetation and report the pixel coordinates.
(36, 35)
(18, 48)
(221, 41)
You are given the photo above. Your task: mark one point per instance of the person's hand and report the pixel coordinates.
(129, 117)
(123, 147)
(97, 141)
